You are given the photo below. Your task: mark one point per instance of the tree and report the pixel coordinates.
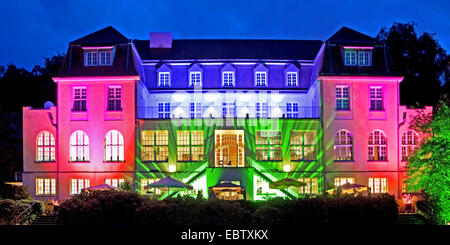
(429, 167)
(420, 60)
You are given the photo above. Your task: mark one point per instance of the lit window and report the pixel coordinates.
(378, 185)
(149, 191)
(195, 78)
(350, 57)
(164, 79)
(228, 109)
(292, 110)
(341, 181)
(377, 146)
(227, 78)
(164, 110)
(376, 99)
(77, 185)
(343, 146)
(114, 98)
(311, 186)
(229, 148)
(291, 79)
(262, 110)
(114, 146)
(342, 98)
(190, 145)
(105, 57)
(79, 99)
(79, 147)
(45, 187)
(196, 110)
(268, 145)
(303, 145)
(114, 182)
(409, 143)
(261, 79)
(155, 145)
(363, 58)
(45, 147)
(90, 58)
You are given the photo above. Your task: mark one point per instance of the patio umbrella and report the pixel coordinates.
(285, 183)
(349, 187)
(169, 182)
(99, 187)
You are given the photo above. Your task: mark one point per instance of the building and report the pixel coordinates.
(225, 116)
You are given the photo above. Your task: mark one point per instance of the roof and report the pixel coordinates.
(333, 61)
(123, 62)
(187, 49)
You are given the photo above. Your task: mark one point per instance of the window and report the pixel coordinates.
(114, 98)
(311, 186)
(114, 182)
(149, 191)
(163, 79)
(190, 145)
(409, 143)
(377, 146)
(196, 110)
(228, 109)
(364, 58)
(195, 78)
(341, 181)
(268, 145)
(262, 110)
(291, 79)
(90, 58)
(261, 79)
(114, 146)
(45, 187)
(45, 147)
(378, 185)
(342, 98)
(79, 99)
(105, 58)
(350, 57)
(155, 145)
(376, 99)
(303, 145)
(292, 110)
(79, 147)
(343, 146)
(164, 110)
(227, 78)
(77, 185)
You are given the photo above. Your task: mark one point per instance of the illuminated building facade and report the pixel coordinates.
(225, 116)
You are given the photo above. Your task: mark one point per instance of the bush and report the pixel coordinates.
(14, 192)
(11, 209)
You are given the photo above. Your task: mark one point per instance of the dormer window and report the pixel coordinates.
(358, 56)
(228, 78)
(291, 79)
(195, 78)
(94, 57)
(164, 79)
(261, 79)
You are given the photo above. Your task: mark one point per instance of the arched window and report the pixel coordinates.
(45, 147)
(377, 146)
(79, 147)
(343, 146)
(113, 146)
(409, 143)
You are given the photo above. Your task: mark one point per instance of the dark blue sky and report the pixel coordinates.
(35, 29)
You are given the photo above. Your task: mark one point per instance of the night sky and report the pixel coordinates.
(32, 30)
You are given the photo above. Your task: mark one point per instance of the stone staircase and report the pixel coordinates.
(411, 219)
(44, 220)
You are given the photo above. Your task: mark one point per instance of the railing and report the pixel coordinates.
(425, 210)
(228, 111)
(19, 218)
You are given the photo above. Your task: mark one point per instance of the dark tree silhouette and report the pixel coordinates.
(422, 62)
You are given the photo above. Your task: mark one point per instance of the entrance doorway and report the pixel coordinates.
(229, 148)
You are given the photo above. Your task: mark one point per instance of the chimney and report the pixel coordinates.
(160, 40)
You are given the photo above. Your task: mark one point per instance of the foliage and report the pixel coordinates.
(115, 207)
(429, 168)
(126, 186)
(10, 209)
(420, 60)
(14, 192)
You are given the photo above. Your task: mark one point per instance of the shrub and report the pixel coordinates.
(11, 209)
(14, 192)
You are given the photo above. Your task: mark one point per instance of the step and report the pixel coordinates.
(45, 220)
